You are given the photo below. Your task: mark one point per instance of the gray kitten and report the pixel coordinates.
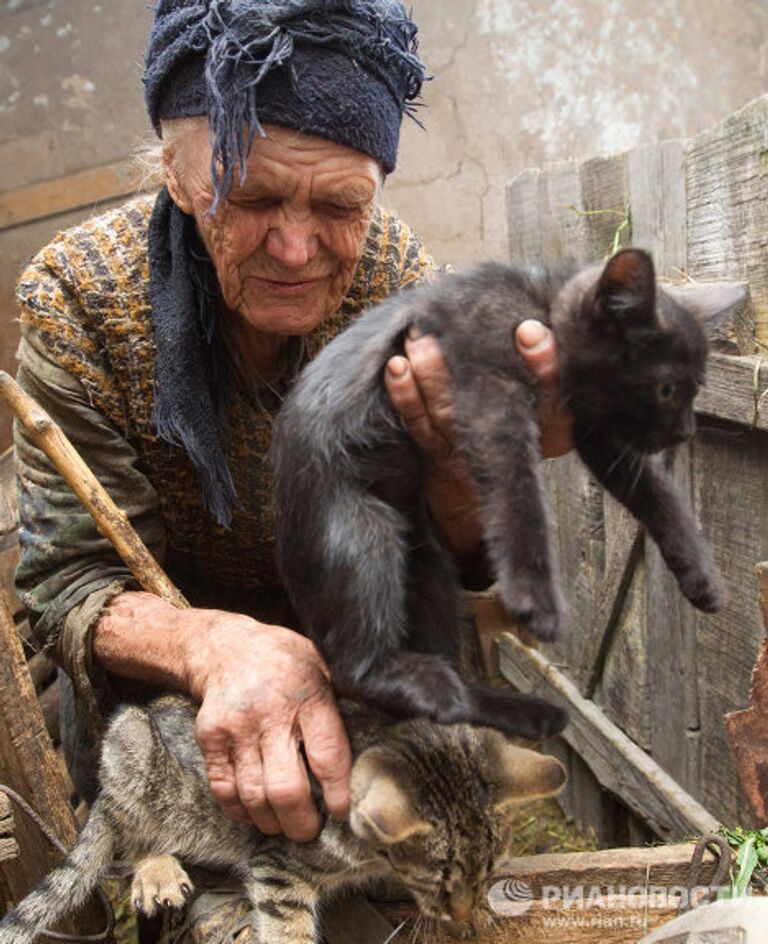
(430, 808)
(367, 572)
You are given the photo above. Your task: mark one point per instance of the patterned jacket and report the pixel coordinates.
(87, 355)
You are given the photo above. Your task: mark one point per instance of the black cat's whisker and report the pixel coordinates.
(639, 458)
(717, 430)
(619, 459)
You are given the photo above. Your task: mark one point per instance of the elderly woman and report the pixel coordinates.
(163, 335)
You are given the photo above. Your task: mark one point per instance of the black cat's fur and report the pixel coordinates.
(366, 570)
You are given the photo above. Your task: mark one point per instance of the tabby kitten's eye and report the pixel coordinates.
(665, 392)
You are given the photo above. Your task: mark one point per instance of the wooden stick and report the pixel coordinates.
(111, 521)
(616, 761)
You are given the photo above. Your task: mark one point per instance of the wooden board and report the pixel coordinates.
(85, 189)
(616, 761)
(727, 206)
(671, 656)
(731, 496)
(28, 764)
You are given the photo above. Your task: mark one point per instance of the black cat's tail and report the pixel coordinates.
(412, 684)
(67, 887)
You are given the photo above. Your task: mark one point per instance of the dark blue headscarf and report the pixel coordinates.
(345, 70)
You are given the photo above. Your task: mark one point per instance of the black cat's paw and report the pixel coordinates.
(514, 713)
(535, 606)
(704, 590)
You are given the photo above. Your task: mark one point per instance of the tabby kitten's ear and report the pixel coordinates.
(382, 809)
(522, 775)
(625, 296)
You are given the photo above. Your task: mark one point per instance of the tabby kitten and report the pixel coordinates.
(367, 572)
(430, 807)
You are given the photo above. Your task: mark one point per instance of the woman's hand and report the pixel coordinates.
(264, 691)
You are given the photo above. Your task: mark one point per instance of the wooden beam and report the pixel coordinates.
(85, 189)
(609, 868)
(616, 761)
(736, 390)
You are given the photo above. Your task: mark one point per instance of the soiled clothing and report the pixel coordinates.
(86, 356)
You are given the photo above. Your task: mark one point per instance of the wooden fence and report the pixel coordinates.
(651, 678)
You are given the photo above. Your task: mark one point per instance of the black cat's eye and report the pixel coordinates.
(665, 392)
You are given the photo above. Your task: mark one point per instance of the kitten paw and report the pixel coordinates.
(159, 882)
(705, 591)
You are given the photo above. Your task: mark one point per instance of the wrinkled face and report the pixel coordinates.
(288, 239)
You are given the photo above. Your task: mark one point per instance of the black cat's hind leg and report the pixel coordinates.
(416, 685)
(500, 438)
(643, 486)
(432, 599)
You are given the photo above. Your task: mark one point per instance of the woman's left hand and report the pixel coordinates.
(420, 388)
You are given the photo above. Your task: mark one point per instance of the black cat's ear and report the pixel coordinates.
(712, 304)
(626, 291)
(382, 809)
(523, 775)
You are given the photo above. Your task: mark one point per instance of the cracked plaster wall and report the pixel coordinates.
(516, 83)
(521, 82)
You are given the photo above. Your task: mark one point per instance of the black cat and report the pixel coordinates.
(367, 572)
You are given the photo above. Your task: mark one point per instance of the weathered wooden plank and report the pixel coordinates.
(657, 200)
(625, 550)
(731, 499)
(579, 541)
(87, 188)
(29, 766)
(524, 224)
(736, 390)
(617, 762)
(671, 655)
(605, 197)
(625, 687)
(666, 865)
(727, 189)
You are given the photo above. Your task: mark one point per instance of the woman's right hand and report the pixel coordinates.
(264, 691)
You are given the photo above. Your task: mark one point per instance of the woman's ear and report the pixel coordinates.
(174, 180)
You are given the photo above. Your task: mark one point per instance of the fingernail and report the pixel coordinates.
(532, 335)
(398, 366)
(414, 333)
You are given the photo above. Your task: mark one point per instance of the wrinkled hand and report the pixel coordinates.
(419, 387)
(264, 690)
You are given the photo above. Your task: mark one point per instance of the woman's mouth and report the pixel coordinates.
(287, 286)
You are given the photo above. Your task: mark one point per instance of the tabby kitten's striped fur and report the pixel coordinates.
(430, 807)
